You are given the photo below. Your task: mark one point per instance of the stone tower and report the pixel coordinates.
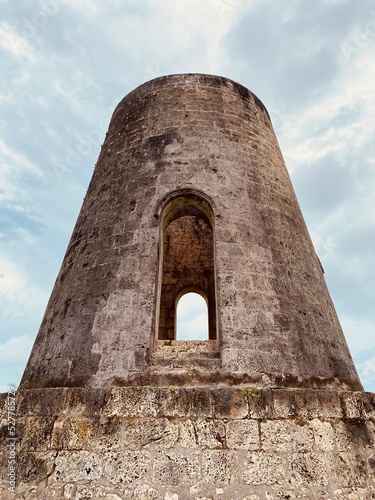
(191, 193)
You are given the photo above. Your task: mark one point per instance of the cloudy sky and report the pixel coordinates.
(65, 64)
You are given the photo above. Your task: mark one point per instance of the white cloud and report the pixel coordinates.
(15, 350)
(355, 212)
(196, 28)
(23, 78)
(71, 96)
(14, 354)
(195, 328)
(13, 167)
(87, 7)
(15, 44)
(18, 297)
(360, 334)
(366, 371)
(229, 8)
(310, 135)
(18, 161)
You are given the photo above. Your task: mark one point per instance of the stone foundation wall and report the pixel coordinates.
(184, 443)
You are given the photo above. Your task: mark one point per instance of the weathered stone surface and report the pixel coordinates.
(175, 469)
(353, 431)
(227, 402)
(132, 403)
(126, 467)
(350, 469)
(145, 492)
(71, 433)
(324, 435)
(175, 402)
(243, 435)
(286, 435)
(171, 496)
(308, 469)
(219, 467)
(202, 434)
(73, 467)
(36, 433)
(264, 468)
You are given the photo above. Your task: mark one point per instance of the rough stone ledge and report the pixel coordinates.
(233, 402)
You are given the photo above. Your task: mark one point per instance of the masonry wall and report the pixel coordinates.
(179, 444)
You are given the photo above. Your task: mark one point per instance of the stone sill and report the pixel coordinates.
(186, 348)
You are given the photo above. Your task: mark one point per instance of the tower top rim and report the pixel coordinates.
(202, 78)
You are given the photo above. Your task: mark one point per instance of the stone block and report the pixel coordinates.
(368, 405)
(324, 435)
(173, 469)
(35, 433)
(242, 434)
(187, 436)
(181, 402)
(202, 403)
(202, 433)
(229, 403)
(71, 467)
(308, 470)
(72, 434)
(330, 405)
(109, 434)
(42, 402)
(261, 402)
(354, 435)
(85, 401)
(306, 403)
(154, 433)
(348, 470)
(132, 402)
(145, 492)
(264, 469)
(219, 467)
(126, 467)
(286, 435)
(284, 403)
(33, 467)
(351, 405)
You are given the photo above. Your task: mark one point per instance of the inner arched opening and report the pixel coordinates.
(192, 317)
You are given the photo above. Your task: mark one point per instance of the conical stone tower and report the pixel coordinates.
(191, 193)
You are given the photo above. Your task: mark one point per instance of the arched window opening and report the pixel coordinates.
(192, 317)
(186, 261)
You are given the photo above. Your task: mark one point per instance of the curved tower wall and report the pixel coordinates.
(209, 143)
